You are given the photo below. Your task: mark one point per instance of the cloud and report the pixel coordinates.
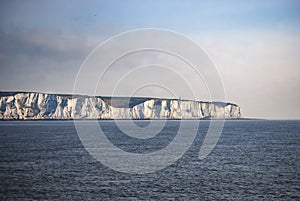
(39, 60)
(260, 70)
(39, 44)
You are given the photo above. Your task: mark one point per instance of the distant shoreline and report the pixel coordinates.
(203, 119)
(41, 106)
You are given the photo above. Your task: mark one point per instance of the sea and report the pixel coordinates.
(253, 160)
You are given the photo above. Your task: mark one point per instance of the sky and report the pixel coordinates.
(254, 45)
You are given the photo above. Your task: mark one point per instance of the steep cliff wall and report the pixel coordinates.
(31, 105)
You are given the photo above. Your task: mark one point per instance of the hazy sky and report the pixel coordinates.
(254, 44)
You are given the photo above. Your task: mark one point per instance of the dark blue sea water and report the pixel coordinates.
(254, 160)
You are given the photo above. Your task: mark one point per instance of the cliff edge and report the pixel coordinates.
(34, 105)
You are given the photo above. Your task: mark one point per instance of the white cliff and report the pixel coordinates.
(32, 105)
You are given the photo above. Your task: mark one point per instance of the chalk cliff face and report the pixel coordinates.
(31, 105)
